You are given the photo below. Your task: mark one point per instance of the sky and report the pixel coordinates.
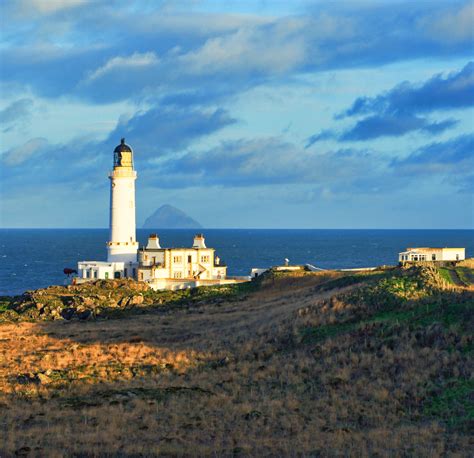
(244, 114)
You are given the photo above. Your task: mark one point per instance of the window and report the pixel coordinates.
(141, 275)
(95, 273)
(177, 259)
(178, 275)
(190, 259)
(154, 259)
(117, 275)
(433, 257)
(134, 272)
(125, 273)
(205, 259)
(106, 275)
(457, 257)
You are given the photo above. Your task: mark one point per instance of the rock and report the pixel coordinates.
(39, 305)
(23, 451)
(84, 314)
(44, 379)
(68, 313)
(25, 379)
(135, 300)
(88, 301)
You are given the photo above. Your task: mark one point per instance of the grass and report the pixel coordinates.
(420, 316)
(466, 275)
(452, 402)
(306, 365)
(445, 275)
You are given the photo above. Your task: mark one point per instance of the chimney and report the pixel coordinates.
(199, 241)
(153, 242)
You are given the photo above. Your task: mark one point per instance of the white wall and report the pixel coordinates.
(451, 254)
(122, 245)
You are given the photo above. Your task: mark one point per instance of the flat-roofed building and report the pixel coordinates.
(431, 254)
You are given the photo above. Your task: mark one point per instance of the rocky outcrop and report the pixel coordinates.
(85, 301)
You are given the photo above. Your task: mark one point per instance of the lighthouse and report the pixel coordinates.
(161, 268)
(122, 245)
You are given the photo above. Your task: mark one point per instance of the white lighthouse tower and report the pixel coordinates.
(122, 245)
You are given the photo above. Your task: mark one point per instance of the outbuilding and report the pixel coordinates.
(431, 254)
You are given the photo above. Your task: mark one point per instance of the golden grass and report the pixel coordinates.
(228, 379)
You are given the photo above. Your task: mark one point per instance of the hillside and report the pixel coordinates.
(169, 217)
(310, 364)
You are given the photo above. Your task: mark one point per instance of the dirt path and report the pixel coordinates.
(455, 278)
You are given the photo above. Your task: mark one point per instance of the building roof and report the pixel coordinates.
(425, 248)
(123, 147)
(145, 249)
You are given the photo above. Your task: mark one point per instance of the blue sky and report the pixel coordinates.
(302, 114)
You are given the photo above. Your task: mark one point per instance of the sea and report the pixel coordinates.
(35, 258)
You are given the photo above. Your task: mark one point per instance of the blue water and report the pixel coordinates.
(34, 258)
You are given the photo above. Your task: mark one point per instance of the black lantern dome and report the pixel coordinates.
(123, 147)
(123, 155)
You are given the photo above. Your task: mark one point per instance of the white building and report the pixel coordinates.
(162, 268)
(122, 246)
(177, 268)
(431, 254)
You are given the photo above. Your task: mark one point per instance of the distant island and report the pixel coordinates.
(169, 217)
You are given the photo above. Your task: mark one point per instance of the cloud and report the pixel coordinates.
(162, 129)
(82, 163)
(454, 91)
(376, 126)
(393, 126)
(403, 109)
(27, 8)
(248, 51)
(125, 64)
(26, 151)
(118, 58)
(452, 156)
(326, 134)
(263, 161)
(452, 160)
(455, 26)
(16, 111)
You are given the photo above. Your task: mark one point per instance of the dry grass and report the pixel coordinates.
(233, 378)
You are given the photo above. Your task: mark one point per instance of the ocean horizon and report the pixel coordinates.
(35, 258)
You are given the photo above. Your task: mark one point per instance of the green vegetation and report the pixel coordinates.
(466, 275)
(445, 275)
(409, 306)
(365, 363)
(452, 402)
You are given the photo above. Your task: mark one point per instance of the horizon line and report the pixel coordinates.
(256, 228)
